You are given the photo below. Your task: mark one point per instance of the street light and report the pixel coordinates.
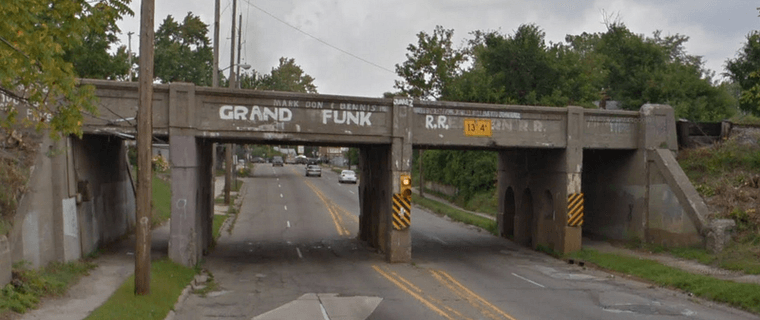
(242, 65)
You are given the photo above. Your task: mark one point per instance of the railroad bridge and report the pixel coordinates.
(561, 171)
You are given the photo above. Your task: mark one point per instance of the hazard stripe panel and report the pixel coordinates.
(402, 209)
(575, 209)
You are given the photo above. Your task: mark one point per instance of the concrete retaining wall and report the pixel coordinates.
(441, 188)
(79, 197)
(677, 213)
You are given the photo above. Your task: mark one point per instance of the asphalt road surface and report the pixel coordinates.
(293, 254)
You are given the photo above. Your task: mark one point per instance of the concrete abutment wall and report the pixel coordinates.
(79, 198)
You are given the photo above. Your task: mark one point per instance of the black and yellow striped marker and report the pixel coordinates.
(401, 211)
(575, 209)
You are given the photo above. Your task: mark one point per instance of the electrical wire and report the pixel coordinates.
(320, 40)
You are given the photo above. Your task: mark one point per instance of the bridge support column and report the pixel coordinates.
(533, 187)
(399, 240)
(186, 240)
(191, 161)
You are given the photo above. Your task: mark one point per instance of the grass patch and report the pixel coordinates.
(167, 280)
(50, 281)
(742, 295)
(162, 200)
(456, 214)
(217, 225)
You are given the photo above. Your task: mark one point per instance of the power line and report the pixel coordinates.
(320, 40)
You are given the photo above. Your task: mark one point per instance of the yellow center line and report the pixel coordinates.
(471, 300)
(459, 288)
(337, 220)
(419, 298)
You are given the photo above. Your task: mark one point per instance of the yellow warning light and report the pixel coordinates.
(406, 186)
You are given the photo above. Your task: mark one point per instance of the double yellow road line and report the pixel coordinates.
(336, 212)
(438, 306)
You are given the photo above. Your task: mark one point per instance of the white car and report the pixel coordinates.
(348, 176)
(313, 170)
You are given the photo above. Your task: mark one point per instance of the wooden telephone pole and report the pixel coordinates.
(228, 150)
(144, 151)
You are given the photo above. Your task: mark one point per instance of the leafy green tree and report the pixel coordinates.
(183, 52)
(633, 70)
(92, 59)
(34, 38)
(430, 65)
(745, 70)
(287, 76)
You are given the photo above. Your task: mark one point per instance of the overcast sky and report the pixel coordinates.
(379, 31)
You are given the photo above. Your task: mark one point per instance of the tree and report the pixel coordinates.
(183, 52)
(745, 70)
(34, 38)
(288, 76)
(430, 65)
(91, 59)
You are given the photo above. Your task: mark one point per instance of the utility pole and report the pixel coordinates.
(232, 84)
(240, 36)
(129, 35)
(144, 150)
(215, 76)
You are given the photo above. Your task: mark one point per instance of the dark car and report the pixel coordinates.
(277, 161)
(313, 170)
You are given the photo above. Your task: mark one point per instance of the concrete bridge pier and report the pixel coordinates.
(382, 168)
(191, 159)
(399, 239)
(534, 186)
(191, 206)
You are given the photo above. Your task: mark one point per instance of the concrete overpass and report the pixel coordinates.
(562, 171)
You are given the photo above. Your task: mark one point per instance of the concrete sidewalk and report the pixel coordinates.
(115, 265)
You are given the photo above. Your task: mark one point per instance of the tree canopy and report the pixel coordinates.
(35, 36)
(430, 65)
(745, 70)
(92, 57)
(287, 76)
(183, 51)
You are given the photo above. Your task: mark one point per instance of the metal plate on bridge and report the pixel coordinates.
(477, 128)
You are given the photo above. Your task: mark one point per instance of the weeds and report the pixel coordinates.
(29, 285)
(742, 295)
(456, 214)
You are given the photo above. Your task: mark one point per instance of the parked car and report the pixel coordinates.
(313, 170)
(277, 161)
(347, 176)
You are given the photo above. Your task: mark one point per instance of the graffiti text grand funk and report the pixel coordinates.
(346, 116)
